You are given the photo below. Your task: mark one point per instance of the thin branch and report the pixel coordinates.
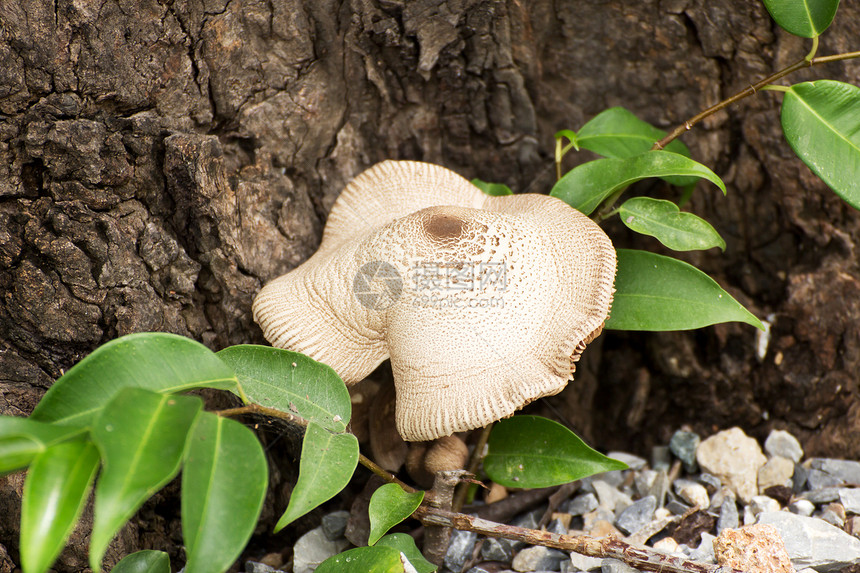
(262, 410)
(608, 547)
(384, 474)
(804, 62)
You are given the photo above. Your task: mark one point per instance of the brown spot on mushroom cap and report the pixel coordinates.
(456, 365)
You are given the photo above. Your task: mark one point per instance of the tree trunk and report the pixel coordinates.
(161, 160)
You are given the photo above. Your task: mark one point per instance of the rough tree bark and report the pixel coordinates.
(160, 160)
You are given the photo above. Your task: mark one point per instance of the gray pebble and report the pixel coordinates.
(460, 549)
(661, 458)
(313, 548)
(705, 551)
(637, 515)
(477, 570)
(819, 496)
(556, 526)
(334, 524)
(616, 566)
(818, 479)
(633, 462)
(729, 517)
(762, 503)
(256, 567)
(711, 482)
(781, 443)
(529, 520)
(581, 504)
(581, 562)
(660, 487)
(497, 550)
(850, 500)
(802, 507)
(813, 543)
(675, 507)
(832, 518)
(846, 470)
(684, 444)
(644, 480)
(539, 558)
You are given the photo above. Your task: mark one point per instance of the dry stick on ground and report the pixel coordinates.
(607, 547)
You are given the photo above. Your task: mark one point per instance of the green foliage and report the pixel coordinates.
(21, 439)
(530, 451)
(664, 221)
(821, 121)
(290, 382)
(224, 483)
(138, 460)
(173, 364)
(406, 545)
(144, 562)
(588, 185)
(374, 559)
(389, 505)
(492, 189)
(654, 292)
(328, 462)
(806, 18)
(55, 492)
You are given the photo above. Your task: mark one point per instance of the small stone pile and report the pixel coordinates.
(720, 500)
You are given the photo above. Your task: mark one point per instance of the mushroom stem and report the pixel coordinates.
(639, 557)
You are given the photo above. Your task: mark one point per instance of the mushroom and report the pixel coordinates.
(482, 303)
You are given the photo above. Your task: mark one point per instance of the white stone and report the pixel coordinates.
(313, 548)
(781, 443)
(776, 471)
(811, 542)
(850, 499)
(692, 492)
(735, 458)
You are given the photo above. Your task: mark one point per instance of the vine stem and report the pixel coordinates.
(807, 61)
(607, 547)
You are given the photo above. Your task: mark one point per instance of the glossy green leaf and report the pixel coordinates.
(653, 292)
(389, 505)
(224, 483)
(21, 439)
(569, 135)
(363, 560)
(156, 361)
(530, 451)
(618, 133)
(805, 18)
(821, 121)
(290, 382)
(141, 436)
(55, 493)
(327, 464)
(404, 543)
(665, 222)
(492, 189)
(586, 186)
(147, 561)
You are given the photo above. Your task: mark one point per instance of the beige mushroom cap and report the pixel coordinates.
(482, 303)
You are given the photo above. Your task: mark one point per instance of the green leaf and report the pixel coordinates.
(570, 136)
(146, 561)
(156, 361)
(805, 18)
(404, 543)
(492, 189)
(530, 451)
(21, 439)
(389, 505)
(363, 560)
(664, 221)
(586, 186)
(290, 382)
(653, 292)
(821, 121)
(327, 464)
(617, 133)
(141, 436)
(224, 483)
(55, 492)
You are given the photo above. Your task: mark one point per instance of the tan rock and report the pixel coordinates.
(735, 458)
(756, 548)
(777, 471)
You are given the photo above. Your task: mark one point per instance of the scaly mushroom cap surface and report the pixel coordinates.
(482, 303)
